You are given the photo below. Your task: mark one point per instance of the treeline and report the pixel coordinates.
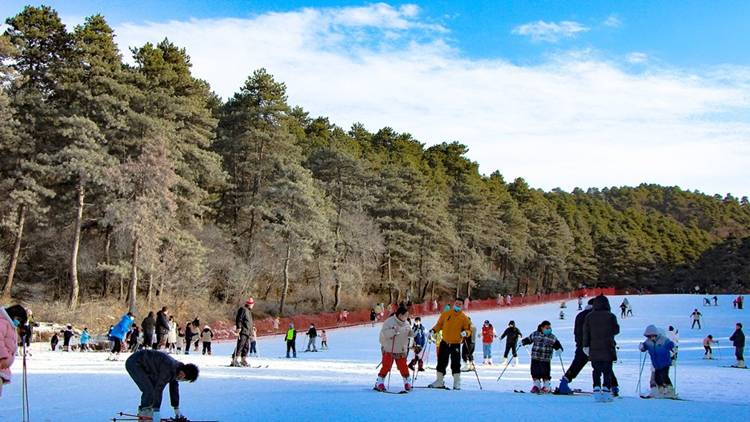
(136, 181)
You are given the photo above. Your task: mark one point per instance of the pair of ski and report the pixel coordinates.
(735, 367)
(390, 392)
(131, 417)
(663, 398)
(248, 367)
(576, 392)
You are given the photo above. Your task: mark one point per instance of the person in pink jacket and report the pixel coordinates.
(10, 319)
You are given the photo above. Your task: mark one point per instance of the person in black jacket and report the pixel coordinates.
(312, 334)
(243, 321)
(162, 327)
(148, 325)
(738, 339)
(133, 338)
(67, 335)
(511, 336)
(189, 333)
(152, 371)
(599, 331)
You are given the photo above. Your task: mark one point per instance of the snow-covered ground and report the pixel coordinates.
(336, 384)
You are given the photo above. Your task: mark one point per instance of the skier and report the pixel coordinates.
(562, 314)
(599, 330)
(511, 336)
(253, 342)
(696, 319)
(373, 316)
(394, 346)
(152, 371)
(291, 341)
(243, 322)
(133, 338)
(11, 318)
(206, 336)
(67, 336)
(189, 334)
(419, 343)
(118, 334)
(716, 301)
(630, 310)
(323, 340)
(84, 340)
(53, 341)
(162, 328)
(659, 347)
(623, 309)
(707, 342)
(543, 343)
(580, 358)
(580, 303)
(488, 336)
(467, 350)
(172, 335)
(738, 340)
(455, 327)
(148, 325)
(312, 334)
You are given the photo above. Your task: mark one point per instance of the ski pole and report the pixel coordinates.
(718, 347)
(425, 354)
(640, 374)
(561, 363)
(25, 390)
(508, 363)
(675, 377)
(466, 344)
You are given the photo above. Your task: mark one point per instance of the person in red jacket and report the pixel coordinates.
(488, 336)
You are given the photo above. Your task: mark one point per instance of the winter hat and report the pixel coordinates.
(513, 323)
(651, 330)
(250, 302)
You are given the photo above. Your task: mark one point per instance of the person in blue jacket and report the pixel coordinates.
(660, 348)
(118, 333)
(419, 341)
(85, 337)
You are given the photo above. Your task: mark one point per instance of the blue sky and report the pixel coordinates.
(563, 93)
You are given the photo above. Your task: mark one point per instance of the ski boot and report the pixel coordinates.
(546, 388)
(380, 384)
(741, 364)
(505, 360)
(598, 394)
(537, 388)
(606, 395)
(489, 361)
(407, 384)
(439, 381)
(457, 381)
(669, 392)
(472, 367)
(564, 388)
(465, 367)
(615, 391)
(244, 362)
(235, 363)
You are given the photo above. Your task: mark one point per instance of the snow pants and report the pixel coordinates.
(243, 345)
(602, 369)
(467, 351)
(252, 347)
(206, 347)
(311, 343)
(738, 352)
(487, 350)
(661, 377)
(446, 351)
(579, 362)
(511, 347)
(148, 340)
(117, 345)
(540, 370)
(417, 359)
(150, 398)
(707, 350)
(291, 346)
(696, 321)
(388, 359)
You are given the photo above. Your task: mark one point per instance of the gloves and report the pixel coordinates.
(463, 334)
(586, 351)
(525, 342)
(432, 333)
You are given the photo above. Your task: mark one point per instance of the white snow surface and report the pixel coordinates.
(337, 384)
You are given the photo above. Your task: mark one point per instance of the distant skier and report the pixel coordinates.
(243, 322)
(53, 341)
(599, 331)
(738, 340)
(659, 347)
(562, 314)
(207, 336)
(394, 346)
(674, 336)
(172, 335)
(132, 337)
(716, 301)
(543, 343)
(373, 316)
(312, 335)
(707, 342)
(67, 336)
(511, 336)
(189, 334)
(580, 303)
(420, 339)
(488, 336)
(148, 326)
(291, 341)
(152, 371)
(254, 343)
(624, 309)
(118, 333)
(696, 319)
(455, 326)
(323, 340)
(84, 340)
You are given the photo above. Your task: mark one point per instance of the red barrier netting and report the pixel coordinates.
(225, 329)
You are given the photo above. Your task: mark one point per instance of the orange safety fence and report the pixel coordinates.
(224, 330)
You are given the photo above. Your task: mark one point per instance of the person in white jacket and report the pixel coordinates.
(394, 344)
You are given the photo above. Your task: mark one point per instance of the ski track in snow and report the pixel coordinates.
(336, 384)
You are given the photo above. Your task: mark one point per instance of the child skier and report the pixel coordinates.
(323, 340)
(254, 342)
(488, 336)
(53, 341)
(419, 342)
(85, 337)
(543, 343)
(394, 345)
(659, 347)
(206, 336)
(707, 342)
(511, 336)
(467, 351)
(738, 339)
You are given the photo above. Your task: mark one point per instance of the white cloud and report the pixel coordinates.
(575, 120)
(549, 31)
(612, 21)
(637, 57)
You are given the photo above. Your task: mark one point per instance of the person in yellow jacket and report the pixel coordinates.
(455, 326)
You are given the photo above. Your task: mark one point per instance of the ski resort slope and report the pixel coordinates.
(335, 385)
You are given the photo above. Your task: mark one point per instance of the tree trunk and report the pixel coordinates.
(133, 277)
(107, 260)
(432, 290)
(73, 273)
(320, 288)
(21, 220)
(286, 277)
(150, 293)
(122, 289)
(335, 267)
